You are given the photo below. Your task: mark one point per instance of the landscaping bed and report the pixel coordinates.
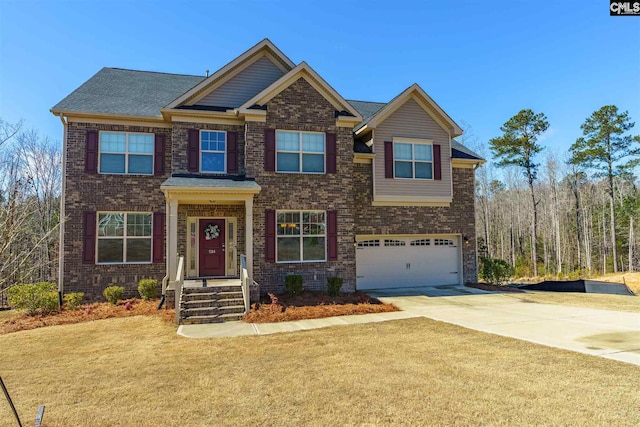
(21, 321)
(313, 305)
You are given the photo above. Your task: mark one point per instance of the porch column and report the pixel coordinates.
(248, 225)
(172, 239)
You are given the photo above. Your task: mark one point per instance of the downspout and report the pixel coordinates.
(62, 212)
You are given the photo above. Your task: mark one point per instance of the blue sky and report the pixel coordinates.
(482, 61)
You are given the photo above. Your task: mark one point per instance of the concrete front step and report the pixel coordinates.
(207, 296)
(215, 318)
(212, 288)
(216, 302)
(206, 311)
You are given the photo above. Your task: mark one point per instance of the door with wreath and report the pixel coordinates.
(211, 247)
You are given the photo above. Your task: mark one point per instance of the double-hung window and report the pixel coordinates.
(301, 236)
(213, 146)
(300, 152)
(126, 153)
(124, 238)
(413, 160)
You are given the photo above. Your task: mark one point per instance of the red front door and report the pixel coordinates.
(211, 247)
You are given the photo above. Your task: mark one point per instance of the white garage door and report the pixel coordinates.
(387, 262)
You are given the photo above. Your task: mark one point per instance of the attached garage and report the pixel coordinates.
(399, 262)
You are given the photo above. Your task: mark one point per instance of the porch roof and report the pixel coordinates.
(205, 185)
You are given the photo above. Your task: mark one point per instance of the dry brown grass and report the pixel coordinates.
(603, 301)
(137, 372)
(314, 305)
(19, 321)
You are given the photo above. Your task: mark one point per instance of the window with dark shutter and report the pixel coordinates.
(331, 152)
(270, 150)
(388, 159)
(232, 152)
(437, 163)
(332, 235)
(193, 150)
(91, 152)
(270, 225)
(89, 241)
(158, 237)
(158, 160)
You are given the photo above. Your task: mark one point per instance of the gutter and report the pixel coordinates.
(62, 211)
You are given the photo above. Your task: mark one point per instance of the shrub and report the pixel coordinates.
(293, 284)
(33, 298)
(495, 271)
(113, 293)
(147, 288)
(334, 284)
(72, 300)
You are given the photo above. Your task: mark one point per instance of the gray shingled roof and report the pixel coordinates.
(127, 92)
(459, 151)
(366, 109)
(209, 183)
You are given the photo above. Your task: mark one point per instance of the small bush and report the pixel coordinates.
(334, 284)
(33, 298)
(293, 284)
(113, 293)
(72, 300)
(147, 288)
(495, 271)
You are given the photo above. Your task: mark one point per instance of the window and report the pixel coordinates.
(212, 151)
(421, 242)
(301, 236)
(413, 160)
(394, 243)
(300, 152)
(126, 153)
(443, 242)
(124, 238)
(369, 243)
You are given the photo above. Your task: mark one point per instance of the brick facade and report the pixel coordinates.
(458, 218)
(101, 192)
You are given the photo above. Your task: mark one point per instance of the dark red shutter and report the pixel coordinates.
(158, 160)
(332, 233)
(158, 236)
(331, 152)
(437, 164)
(91, 152)
(388, 159)
(89, 241)
(193, 150)
(270, 150)
(270, 225)
(232, 152)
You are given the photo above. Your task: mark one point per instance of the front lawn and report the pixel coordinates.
(137, 371)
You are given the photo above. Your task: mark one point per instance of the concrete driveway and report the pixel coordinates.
(605, 333)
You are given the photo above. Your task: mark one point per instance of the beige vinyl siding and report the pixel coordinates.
(244, 85)
(411, 121)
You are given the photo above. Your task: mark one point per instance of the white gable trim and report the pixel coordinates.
(233, 68)
(318, 83)
(416, 93)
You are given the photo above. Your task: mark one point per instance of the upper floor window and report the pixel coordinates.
(301, 236)
(413, 160)
(301, 152)
(126, 153)
(213, 147)
(124, 237)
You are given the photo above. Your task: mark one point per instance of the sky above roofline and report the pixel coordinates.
(480, 61)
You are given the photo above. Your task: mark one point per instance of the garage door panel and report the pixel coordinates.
(420, 262)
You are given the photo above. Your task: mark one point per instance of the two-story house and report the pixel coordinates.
(262, 158)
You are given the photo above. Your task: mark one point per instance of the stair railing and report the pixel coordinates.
(177, 287)
(245, 281)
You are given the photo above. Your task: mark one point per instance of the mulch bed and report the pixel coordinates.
(313, 305)
(87, 313)
(493, 288)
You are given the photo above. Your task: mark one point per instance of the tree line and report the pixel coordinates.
(561, 214)
(30, 183)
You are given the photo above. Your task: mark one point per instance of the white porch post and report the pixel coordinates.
(172, 239)
(248, 218)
